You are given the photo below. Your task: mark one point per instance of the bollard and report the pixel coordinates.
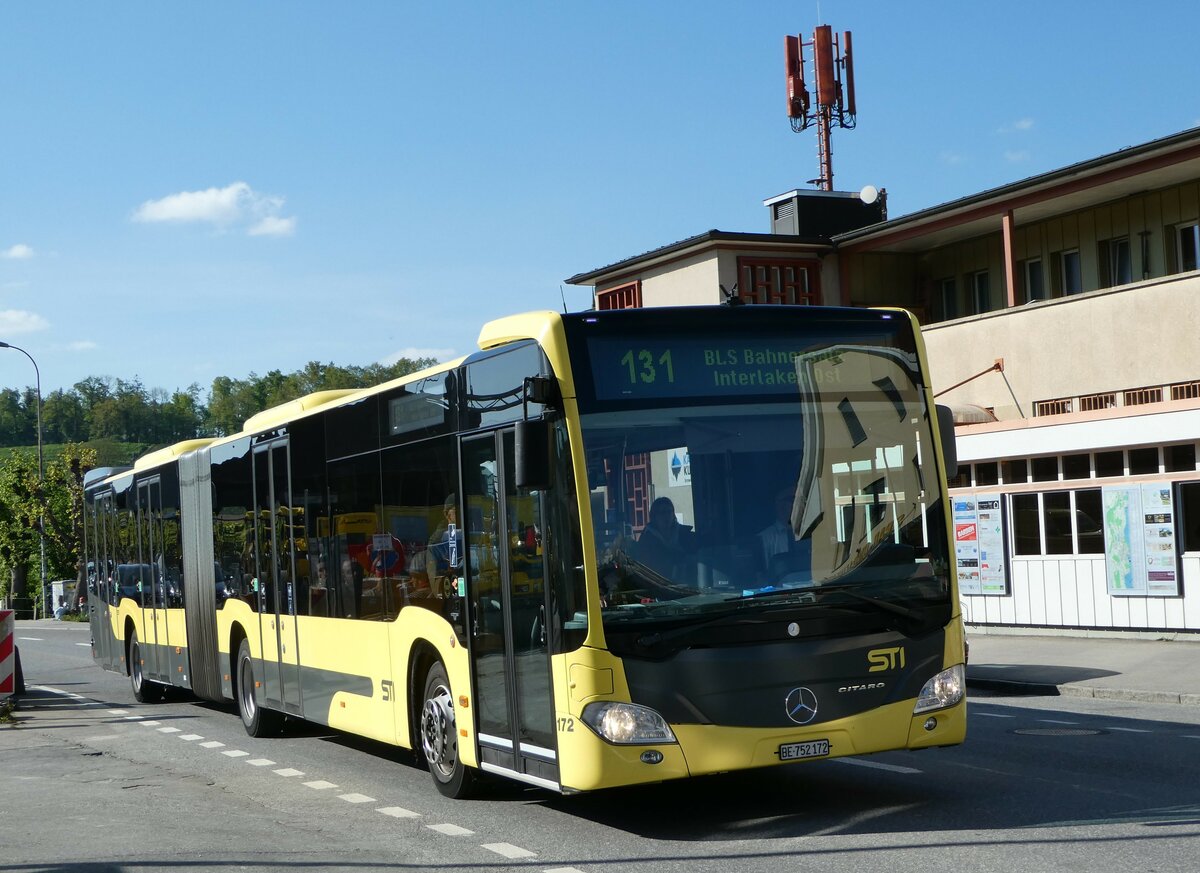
(8, 655)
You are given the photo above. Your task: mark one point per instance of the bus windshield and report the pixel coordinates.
(736, 474)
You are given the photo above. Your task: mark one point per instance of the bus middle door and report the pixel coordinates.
(153, 586)
(507, 606)
(276, 574)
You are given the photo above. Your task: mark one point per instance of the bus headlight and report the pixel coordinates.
(627, 723)
(943, 690)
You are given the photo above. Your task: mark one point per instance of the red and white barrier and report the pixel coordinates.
(8, 658)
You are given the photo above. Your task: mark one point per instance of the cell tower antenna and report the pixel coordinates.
(834, 104)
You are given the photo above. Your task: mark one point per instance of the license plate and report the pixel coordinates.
(809, 749)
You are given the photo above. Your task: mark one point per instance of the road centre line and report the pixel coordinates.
(508, 850)
(450, 830)
(261, 762)
(287, 772)
(319, 785)
(398, 812)
(1129, 730)
(213, 744)
(992, 715)
(1055, 721)
(356, 798)
(236, 753)
(563, 870)
(876, 765)
(191, 738)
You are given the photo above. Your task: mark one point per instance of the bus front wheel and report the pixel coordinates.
(259, 722)
(439, 736)
(144, 691)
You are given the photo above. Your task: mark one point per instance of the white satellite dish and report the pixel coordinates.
(869, 194)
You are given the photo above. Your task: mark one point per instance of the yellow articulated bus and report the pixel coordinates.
(608, 548)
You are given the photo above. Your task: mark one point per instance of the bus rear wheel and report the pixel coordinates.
(144, 691)
(258, 721)
(439, 736)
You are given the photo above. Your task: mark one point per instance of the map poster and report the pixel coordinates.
(1139, 540)
(966, 544)
(1158, 519)
(979, 544)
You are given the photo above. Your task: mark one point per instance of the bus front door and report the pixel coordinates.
(276, 574)
(153, 586)
(507, 615)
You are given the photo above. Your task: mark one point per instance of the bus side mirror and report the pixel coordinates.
(945, 417)
(532, 448)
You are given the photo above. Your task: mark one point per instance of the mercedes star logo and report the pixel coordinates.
(800, 705)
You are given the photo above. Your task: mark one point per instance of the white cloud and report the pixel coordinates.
(1021, 124)
(14, 321)
(236, 205)
(1015, 157)
(273, 226)
(412, 354)
(82, 346)
(19, 252)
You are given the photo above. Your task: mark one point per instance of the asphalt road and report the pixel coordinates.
(92, 781)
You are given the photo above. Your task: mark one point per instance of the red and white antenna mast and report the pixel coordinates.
(833, 70)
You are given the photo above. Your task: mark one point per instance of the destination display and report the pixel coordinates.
(661, 367)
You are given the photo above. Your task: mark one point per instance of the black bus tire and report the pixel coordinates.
(439, 736)
(257, 720)
(144, 690)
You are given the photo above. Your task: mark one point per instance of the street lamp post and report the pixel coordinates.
(41, 469)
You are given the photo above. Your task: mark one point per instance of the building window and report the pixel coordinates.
(948, 295)
(1110, 464)
(1059, 406)
(1016, 471)
(987, 473)
(1045, 469)
(981, 295)
(1179, 459)
(1188, 247)
(1143, 462)
(1058, 523)
(1189, 521)
(627, 296)
(1077, 467)
(1072, 274)
(1116, 263)
(766, 281)
(1035, 280)
(1142, 396)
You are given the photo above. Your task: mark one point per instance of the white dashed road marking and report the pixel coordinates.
(563, 870)
(191, 738)
(508, 850)
(168, 730)
(149, 723)
(261, 762)
(450, 830)
(118, 712)
(1055, 721)
(212, 744)
(875, 765)
(1129, 730)
(319, 785)
(236, 753)
(991, 715)
(288, 771)
(399, 812)
(85, 645)
(356, 798)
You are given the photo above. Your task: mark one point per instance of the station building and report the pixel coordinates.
(1061, 314)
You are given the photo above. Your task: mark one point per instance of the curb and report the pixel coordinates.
(1032, 689)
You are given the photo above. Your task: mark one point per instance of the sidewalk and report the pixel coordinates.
(1151, 671)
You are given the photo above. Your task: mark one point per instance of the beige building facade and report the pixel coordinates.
(1061, 315)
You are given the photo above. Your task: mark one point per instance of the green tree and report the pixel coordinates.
(64, 417)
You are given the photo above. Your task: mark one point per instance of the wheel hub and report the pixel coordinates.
(439, 738)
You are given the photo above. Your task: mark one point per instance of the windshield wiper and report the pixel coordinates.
(885, 605)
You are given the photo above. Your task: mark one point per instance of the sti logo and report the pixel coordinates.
(885, 659)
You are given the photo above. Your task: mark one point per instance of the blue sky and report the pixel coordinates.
(195, 190)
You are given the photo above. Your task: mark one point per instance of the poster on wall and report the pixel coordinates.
(966, 544)
(1158, 520)
(993, 560)
(1139, 541)
(979, 544)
